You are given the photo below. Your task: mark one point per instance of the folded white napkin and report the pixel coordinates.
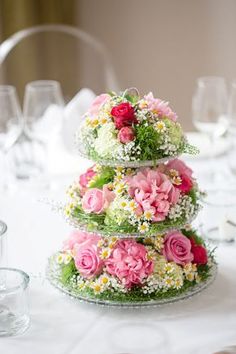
(73, 112)
(62, 155)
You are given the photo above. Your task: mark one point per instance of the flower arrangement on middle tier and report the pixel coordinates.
(140, 201)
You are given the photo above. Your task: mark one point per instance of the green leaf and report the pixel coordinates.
(104, 177)
(67, 271)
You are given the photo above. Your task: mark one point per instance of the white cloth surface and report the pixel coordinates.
(59, 325)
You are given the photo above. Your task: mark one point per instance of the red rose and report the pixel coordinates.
(126, 134)
(123, 115)
(199, 254)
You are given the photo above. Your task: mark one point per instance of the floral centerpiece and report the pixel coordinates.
(129, 128)
(132, 243)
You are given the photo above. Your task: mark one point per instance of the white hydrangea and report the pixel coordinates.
(106, 144)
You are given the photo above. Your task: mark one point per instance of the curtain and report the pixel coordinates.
(41, 56)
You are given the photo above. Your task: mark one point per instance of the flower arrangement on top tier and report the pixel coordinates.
(142, 201)
(129, 128)
(115, 269)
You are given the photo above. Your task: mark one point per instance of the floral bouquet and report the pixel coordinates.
(131, 130)
(129, 270)
(142, 201)
(133, 244)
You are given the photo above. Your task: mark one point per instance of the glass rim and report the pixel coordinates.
(23, 284)
(43, 84)
(203, 80)
(3, 228)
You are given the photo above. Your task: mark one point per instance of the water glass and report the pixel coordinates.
(209, 113)
(218, 217)
(3, 245)
(42, 108)
(14, 309)
(10, 117)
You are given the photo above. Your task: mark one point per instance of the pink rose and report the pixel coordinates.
(97, 200)
(159, 107)
(177, 248)
(88, 262)
(126, 134)
(129, 263)
(185, 173)
(85, 178)
(79, 239)
(98, 103)
(153, 191)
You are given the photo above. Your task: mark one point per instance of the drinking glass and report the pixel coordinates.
(42, 108)
(42, 118)
(209, 109)
(3, 244)
(232, 128)
(10, 117)
(218, 217)
(14, 310)
(11, 124)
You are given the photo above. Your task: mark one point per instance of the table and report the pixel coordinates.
(62, 326)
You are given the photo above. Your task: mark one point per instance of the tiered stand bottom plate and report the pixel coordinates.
(53, 277)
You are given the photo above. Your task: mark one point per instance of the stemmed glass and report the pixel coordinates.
(209, 108)
(232, 130)
(41, 111)
(42, 108)
(11, 122)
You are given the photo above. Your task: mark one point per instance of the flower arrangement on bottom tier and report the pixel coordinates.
(131, 270)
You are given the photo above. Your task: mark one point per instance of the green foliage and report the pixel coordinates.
(148, 139)
(105, 176)
(132, 99)
(67, 271)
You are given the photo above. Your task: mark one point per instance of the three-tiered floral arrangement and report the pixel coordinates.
(133, 243)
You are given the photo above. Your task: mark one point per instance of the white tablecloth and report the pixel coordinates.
(62, 326)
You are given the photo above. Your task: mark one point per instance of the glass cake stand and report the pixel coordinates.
(53, 275)
(127, 164)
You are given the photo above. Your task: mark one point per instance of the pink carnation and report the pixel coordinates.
(98, 103)
(159, 107)
(129, 263)
(185, 174)
(97, 200)
(177, 248)
(153, 191)
(85, 178)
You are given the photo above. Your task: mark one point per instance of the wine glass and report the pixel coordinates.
(11, 124)
(10, 117)
(42, 108)
(42, 113)
(209, 108)
(232, 128)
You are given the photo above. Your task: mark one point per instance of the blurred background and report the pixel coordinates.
(155, 45)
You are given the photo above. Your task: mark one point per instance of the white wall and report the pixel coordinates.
(164, 45)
